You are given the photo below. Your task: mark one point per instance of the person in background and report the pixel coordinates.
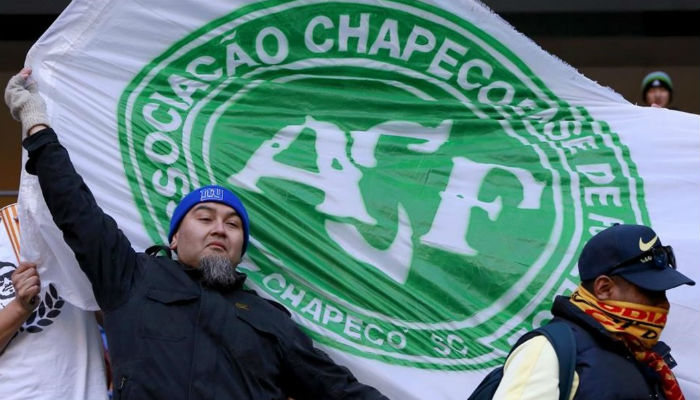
(49, 349)
(657, 89)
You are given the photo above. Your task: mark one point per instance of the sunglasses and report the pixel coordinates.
(662, 257)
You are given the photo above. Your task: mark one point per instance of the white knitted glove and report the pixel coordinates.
(24, 101)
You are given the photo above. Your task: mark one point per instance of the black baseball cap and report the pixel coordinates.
(633, 252)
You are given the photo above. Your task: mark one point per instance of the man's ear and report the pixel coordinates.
(173, 243)
(603, 287)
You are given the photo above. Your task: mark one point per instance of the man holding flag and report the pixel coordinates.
(186, 328)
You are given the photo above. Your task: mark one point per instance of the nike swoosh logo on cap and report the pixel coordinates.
(646, 246)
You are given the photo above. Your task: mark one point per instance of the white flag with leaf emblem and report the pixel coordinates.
(30, 365)
(420, 177)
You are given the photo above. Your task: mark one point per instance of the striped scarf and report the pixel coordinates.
(637, 326)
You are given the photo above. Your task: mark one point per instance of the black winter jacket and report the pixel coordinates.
(606, 368)
(170, 336)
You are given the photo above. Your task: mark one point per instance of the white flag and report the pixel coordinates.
(420, 177)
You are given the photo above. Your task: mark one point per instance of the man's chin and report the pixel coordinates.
(218, 270)
(214, 252)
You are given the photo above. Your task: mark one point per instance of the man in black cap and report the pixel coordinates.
(616, 315)
(184, 329)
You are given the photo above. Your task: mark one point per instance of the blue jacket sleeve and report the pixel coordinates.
(101, 249)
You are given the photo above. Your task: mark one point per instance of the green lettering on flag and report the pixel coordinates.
(417, 194)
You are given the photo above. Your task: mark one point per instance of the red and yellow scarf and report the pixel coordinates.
(638, 326)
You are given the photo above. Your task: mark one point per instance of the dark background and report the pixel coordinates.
(614, 42)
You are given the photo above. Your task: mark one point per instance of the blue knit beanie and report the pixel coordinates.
(212, 193)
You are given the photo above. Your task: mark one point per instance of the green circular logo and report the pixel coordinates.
(417, 195)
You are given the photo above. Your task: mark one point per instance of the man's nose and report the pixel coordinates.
(218, 227)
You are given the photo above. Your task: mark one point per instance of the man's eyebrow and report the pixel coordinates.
(202, 207)
(232, 214)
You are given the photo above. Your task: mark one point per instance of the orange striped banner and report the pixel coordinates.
(8, 215)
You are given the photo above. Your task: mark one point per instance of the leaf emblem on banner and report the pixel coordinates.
(48, 310)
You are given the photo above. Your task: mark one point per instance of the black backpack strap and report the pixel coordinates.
(562, 339)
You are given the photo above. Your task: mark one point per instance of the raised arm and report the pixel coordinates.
(101, 249)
